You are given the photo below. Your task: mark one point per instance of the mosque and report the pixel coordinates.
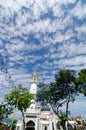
(37, 117)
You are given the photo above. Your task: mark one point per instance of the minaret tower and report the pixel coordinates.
(33, 82)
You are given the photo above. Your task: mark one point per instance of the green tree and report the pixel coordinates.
(65, 82)
(81, 81)
(62, 90)
(20, 99)
(5, 110)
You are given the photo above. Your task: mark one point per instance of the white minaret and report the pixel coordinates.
(33, 89)
(33, 82)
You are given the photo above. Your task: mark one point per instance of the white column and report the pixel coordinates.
(50, 125)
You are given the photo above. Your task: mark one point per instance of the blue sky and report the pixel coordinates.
(42, 36)
(78, 107)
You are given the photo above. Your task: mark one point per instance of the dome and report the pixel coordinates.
(35, 74)
(45, 108)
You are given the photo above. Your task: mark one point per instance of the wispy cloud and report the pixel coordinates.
(42, 36)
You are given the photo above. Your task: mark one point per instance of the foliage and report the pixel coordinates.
(10, 126)
(78, 122)
(62, 119)
(65, 82)
(5, 110)
(61, 91)
(82, 76)
(13, 124)
(20, 99)
(81, 81)
(1, 128)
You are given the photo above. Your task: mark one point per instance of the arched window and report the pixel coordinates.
(30, 125)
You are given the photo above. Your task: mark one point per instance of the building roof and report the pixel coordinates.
(76, 117)
(80, 126)
(45, 116)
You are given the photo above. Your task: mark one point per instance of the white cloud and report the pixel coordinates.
(79, 11)
(81, 28)
(59, 37)
(36, 10)
(41, 25)
(58, 41)
(77, 62)
(66, 1)
(69, 34)
(72, 49)
(57, 10)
